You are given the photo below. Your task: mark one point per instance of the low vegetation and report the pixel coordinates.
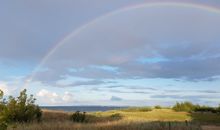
(21, 109)
(157, 107)
(137, 109)
(157, 119)
(78, 117)
(21, 113)
(189, 107)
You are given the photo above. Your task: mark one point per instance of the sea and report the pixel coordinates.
(82, 108)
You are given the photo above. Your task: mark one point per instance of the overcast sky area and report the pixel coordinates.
(106, 52)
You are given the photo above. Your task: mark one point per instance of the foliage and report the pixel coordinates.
(205, 109)
(167, 120)
(184, 106)
(157, 107)
(189, 107)
(3, 126)
(20, 109)
(116, 116)
(78, 116)
(218, 109)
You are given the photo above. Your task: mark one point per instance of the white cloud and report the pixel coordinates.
(67, 97)
(52, 98)
(9, 88)
(4, 88)
(45, 93)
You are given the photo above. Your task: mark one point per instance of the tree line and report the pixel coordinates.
(190, 107)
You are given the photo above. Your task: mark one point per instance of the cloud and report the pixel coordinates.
(4, 88)
(47, 94)
(67, 97)
(195, 91)
(84, 83)
(186, 97)
(132, 87)
(10, 87)
(114, 98)
(190, 50)
(52, 98)
(157, 42)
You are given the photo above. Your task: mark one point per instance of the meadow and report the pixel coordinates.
(22, 113)
(125, 119)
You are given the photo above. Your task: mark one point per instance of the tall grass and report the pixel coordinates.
(120, 125)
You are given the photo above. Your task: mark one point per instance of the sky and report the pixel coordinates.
(111, 53)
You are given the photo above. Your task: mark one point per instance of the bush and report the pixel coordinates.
(3, 126)
(189, 107)
(158, 107)
(20, 109)
(184, 106)
(116, 116)
(78, 116)
(218, 109)
(205, 109)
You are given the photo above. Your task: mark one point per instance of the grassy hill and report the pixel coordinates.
(129, 119)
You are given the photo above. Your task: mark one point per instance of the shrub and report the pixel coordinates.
(218, 109)
(205, 109)
(78, 116)
(184, 106)
(3, 126)
(189, 107)
(158, 107)
(116, 116)
(20, 109)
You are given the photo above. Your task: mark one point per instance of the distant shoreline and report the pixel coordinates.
(83, 108)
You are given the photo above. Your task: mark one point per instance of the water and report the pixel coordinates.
(82, 108)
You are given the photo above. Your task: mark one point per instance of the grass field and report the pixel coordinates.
(157, 119)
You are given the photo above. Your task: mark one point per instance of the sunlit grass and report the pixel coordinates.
(154, 115)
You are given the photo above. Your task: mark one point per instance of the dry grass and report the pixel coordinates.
(120, 125)
(158, 119)
(209, 127)
(52, 115)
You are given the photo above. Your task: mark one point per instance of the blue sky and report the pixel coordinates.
(138, 57)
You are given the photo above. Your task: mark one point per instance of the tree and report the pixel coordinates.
(184, 106)
(20, 109)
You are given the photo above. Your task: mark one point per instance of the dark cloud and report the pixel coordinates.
(84, 83)
(191, 50)
(124, 89)
(132, 87)
(169, 42)
(127, 91)
(29, 29)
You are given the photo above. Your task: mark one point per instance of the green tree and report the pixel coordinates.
(20, 109)
(184, 106)
(3, 124)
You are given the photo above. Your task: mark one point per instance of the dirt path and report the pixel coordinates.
(210, 127)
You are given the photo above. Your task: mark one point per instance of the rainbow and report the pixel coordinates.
(198, 6)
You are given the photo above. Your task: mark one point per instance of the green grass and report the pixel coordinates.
(154, 115)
